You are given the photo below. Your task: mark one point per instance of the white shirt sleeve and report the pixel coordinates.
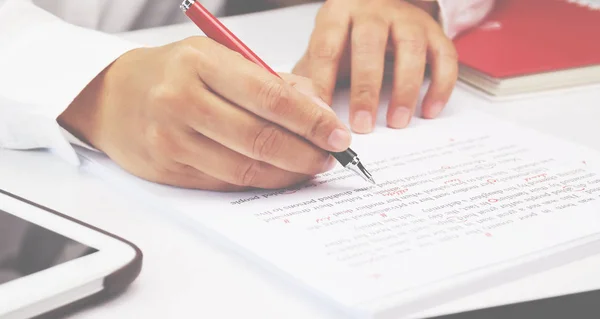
(457, 16)
(45, 63)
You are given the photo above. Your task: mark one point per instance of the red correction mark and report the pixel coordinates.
(584, 163)
(536, 177)
(384, 215)
(492, 181)
(319, 220)
(395, 192)
(286, 221)
(453, 181)
(578, 188)
(488, 235)
(492, 200)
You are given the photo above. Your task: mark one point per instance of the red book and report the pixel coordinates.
(531, 45)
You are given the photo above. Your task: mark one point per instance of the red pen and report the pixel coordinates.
(214, 29)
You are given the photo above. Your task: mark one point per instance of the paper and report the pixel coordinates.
(456, 195)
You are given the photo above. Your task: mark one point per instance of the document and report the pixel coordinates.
(459, 199)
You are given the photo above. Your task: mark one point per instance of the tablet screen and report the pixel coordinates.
(26, 248)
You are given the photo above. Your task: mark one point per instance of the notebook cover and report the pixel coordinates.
(524, 37)
(114, 284)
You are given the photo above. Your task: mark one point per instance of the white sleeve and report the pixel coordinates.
(457, 16)
(45, 63)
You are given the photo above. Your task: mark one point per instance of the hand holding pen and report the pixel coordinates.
(195, 114)
(214, 29)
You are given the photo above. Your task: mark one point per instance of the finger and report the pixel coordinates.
(256, 138)
(369, 40)
(326, 48)
(231, 167)
(247, 85)
(444, 74)
(305, 86)
(409, 71)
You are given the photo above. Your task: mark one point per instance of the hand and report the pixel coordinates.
(195, 114)
(350, 41)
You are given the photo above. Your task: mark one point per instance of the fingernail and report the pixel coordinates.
(400, 117)
(436, 109)
(329, 164)
(322, 103)
(363, 122)
(339, 139)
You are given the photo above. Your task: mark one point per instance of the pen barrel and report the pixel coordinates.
(214, 29)
(346, 157)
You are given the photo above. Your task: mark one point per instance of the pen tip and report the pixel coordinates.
(372, 181)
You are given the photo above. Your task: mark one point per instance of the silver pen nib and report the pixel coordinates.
(357, 167)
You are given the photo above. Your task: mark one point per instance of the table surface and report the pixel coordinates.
(187, 274)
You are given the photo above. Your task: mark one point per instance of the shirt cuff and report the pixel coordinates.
(457, 16)
(46, 62)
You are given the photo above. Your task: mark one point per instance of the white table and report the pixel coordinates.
(186, 275)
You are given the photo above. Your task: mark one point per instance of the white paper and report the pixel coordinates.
(456, 195)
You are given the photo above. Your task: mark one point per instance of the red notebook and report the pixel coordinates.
(532, 45)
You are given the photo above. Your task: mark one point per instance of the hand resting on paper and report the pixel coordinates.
(350, 41)
(194, 114)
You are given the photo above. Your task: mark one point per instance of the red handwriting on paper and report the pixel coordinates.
(395, 192)
(384, 215)
(536, 177)
(453, 181)
(492, 200)
(488, 235)
(584, 163)
(492, 181)
(286, 221)
(320, 220)
(577, 188)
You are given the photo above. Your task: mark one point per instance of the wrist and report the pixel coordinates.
(82, 116)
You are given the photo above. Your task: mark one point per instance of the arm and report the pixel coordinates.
(45, 64)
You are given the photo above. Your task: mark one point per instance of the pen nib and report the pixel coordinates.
(362, 171)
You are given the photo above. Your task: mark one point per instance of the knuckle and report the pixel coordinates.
(450, 53)
(410, 88)
(367, 42)
(167, 97)
(246, 173)
(319, 122)
(274, 97)
(163, 94)
(325, 48)
(184, 52)
(365, 94)
(267, 142)
(195, 51)
(415, 44)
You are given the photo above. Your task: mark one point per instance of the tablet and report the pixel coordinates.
(51, 264)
